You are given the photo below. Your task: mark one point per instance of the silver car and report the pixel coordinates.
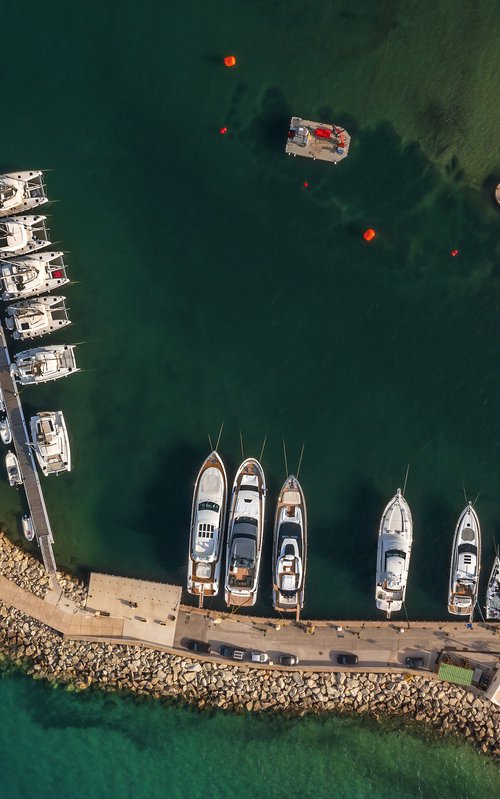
(259, 657)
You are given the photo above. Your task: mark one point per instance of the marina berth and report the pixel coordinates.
(21, 192)
(208, 521)
(13, 471)
(20, 235)
(393, 554)
(245, 534)
(290, 548)
(29, 276)
(465, 564)
(50, 442)
(493, 590)
(317, 140)
(42, 364)
(36, 317)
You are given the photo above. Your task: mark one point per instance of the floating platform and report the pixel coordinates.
(317, 140)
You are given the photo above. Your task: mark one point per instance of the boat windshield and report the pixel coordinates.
(395, 553)
(208, 505)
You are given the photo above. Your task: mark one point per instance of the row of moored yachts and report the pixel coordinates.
(26, 273)
(245, 531)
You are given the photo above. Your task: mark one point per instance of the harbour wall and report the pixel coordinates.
(111, 665)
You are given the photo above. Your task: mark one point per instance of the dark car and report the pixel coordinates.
(198, 646)
(288, 660)
(231, 652)
(415, 663)
(347, 659)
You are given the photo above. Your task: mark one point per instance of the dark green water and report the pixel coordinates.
(211, 286)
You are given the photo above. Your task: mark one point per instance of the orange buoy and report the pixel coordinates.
(453, 253)
(369, 234)
(230, 61)
(222, 131)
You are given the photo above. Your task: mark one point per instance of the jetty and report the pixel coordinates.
(20, 439)
(317, 140)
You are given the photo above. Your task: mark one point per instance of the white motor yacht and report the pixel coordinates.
(290, 548)
(245, 534)
(42, 364)
(21, 192)
(465, 564)
(393, 555)
(36, 317)
(208, 519)
(5, 431)
(31, 275)
(20, 235)
(493, 590)
(50, 441)
(13, 470)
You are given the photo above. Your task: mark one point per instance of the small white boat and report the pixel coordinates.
(42, 364)
(36, 317)
(13, 470)
(28, 528)
(21, 192)
(245, 534)
(465, 564)
(50, 442)
(2, 402)
(5, 431)
(493, 590)
(395, 540)
(20, 235)
(208, 520)
(290, 548)
(31, 275)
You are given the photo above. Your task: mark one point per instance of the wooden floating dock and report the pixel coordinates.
(317, 140)
(31, 482)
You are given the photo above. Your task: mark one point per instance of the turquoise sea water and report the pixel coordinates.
(211, 286)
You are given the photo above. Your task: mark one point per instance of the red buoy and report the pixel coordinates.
(453, 253)
(369, 234)
(230, 61)
(222, 131)
(305, 184)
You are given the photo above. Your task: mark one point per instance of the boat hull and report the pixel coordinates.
(30, 191)
(393, 555)
(290, 548)
(465, 564)
(493, 592)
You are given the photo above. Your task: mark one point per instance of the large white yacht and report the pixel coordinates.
(21, 191)
(290, 548)
(49, 439)
(36, 317)
(245, 534)
(208, 520)
(20, 235)
(393, 555)
(32, 274)
(42, 364)
(493, 590)
(465, 564)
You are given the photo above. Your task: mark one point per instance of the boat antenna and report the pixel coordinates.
(284, 454)
(406, 479)
(465, 493)
(241, 445)
(210, 441)
(476, 499)
(300, 459)
(263, 447)
(219, 436)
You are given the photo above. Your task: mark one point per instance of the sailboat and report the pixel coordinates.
(493, 590)
(290, 548)
(393, 555)
(465, 564)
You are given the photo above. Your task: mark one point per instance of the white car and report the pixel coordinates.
(259, 657)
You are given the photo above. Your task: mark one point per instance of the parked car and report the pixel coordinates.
(231, 652)
(259, 657)
(289, 660)
(415, 663)
(198, 646)
(347, 659)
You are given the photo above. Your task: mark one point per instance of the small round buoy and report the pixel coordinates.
(369, 234)
(305, 184)
(230, 61)
(453, 253)
(222, 131)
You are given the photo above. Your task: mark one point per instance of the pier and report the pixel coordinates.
(20, 439)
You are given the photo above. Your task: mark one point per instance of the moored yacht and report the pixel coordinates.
(5, 430)
(33, 274)
(290, 548)
(245, 534)
(28, 528)
(49, 439)
(465, 564)
(208, 519)
(41, 364)
(493, 590)
(21, 191)
(13, 471)
(20, 235)
(36, 317)
(393, 555)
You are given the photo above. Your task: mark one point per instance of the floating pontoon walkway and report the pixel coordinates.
(31, 482)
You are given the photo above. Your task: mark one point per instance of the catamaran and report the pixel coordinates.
(493, 590)
(245, 534)
(20, 235)
(33, 274)
(36, 317)
(393, 556)
(42, 364)
(208, 520)
(21, 191)
(290, 548)
(465, 564)
(13, 470)
(50, 442)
